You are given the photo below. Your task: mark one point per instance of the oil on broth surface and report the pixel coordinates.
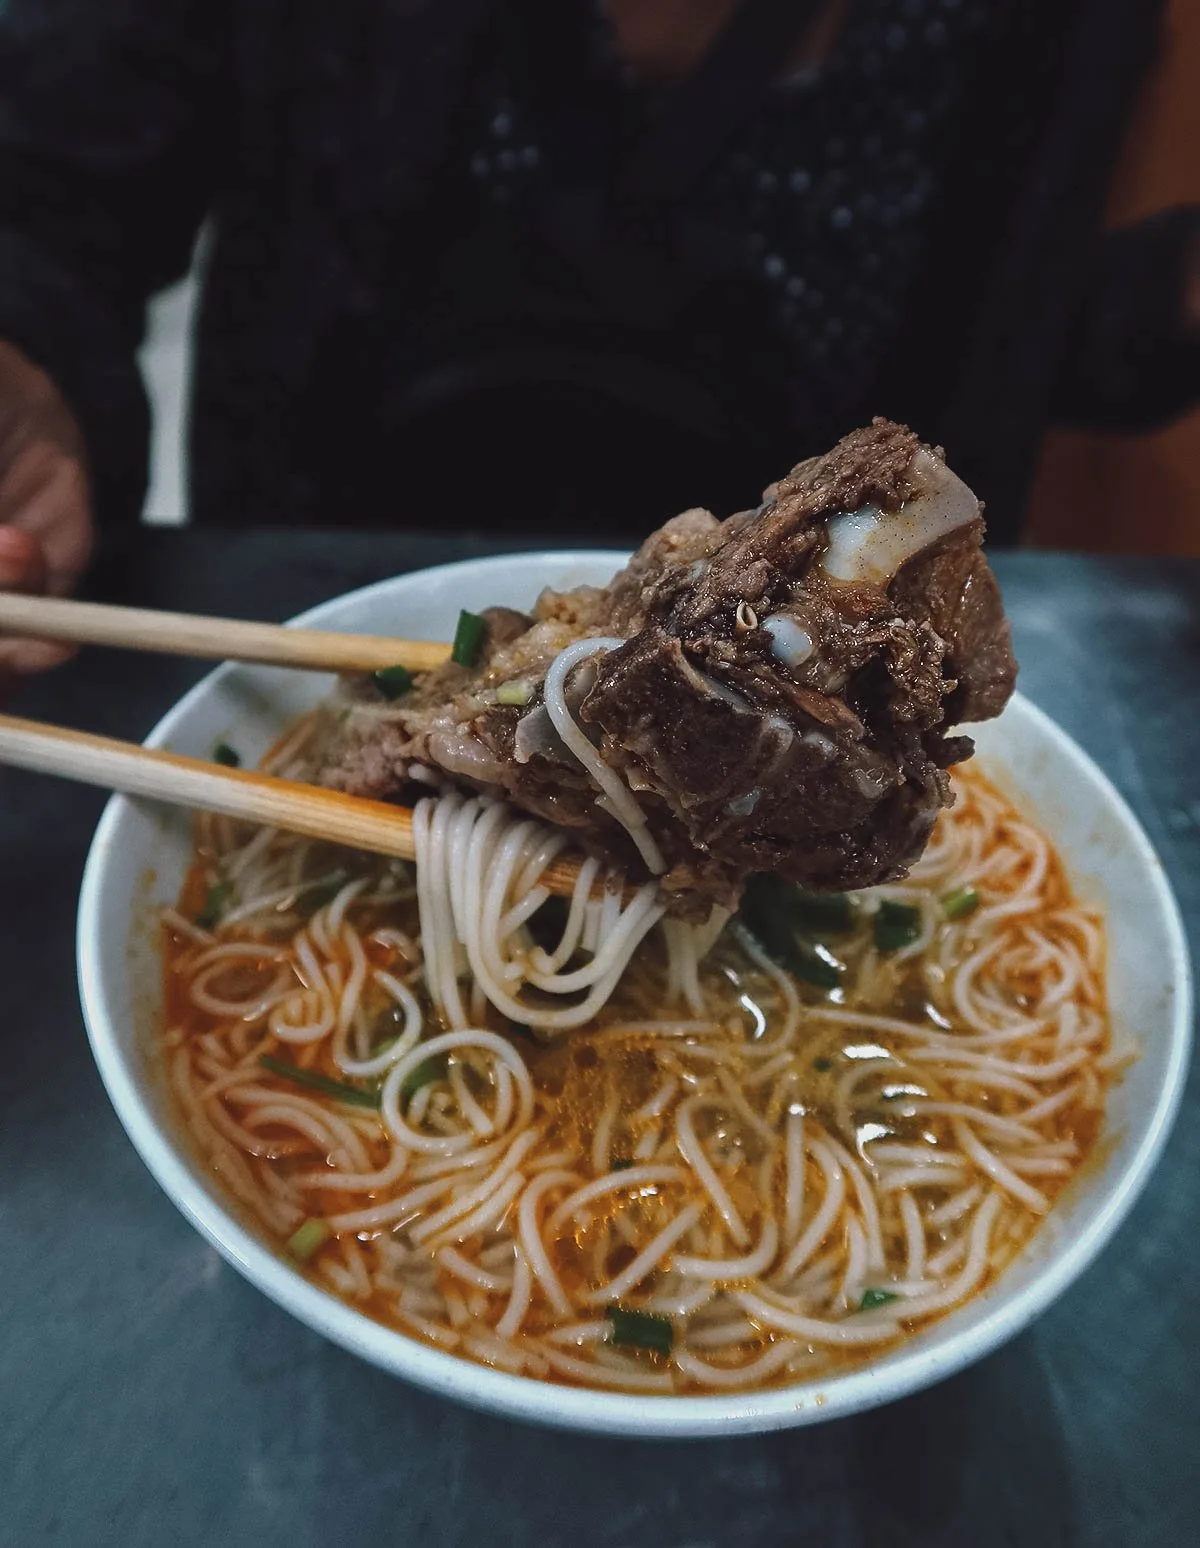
(851, 1119)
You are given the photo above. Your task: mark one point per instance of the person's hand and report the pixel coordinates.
(45, 500)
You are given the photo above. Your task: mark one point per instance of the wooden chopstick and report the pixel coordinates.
(212, 639)
(260, 798)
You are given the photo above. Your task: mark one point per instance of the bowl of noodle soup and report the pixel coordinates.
(669, 1186)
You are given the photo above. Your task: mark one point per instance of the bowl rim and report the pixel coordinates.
(913, 1366)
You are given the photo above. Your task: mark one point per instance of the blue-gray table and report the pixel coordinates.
(149, 1396)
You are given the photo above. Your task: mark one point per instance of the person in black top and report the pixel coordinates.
(565, 264)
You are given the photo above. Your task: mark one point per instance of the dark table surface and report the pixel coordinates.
(148, 1395)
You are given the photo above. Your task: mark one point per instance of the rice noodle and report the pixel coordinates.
(649, 1257)
(755, 1262)
(684, 1160)
(469, 856)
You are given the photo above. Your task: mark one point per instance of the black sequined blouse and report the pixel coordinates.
(819, 204)
(791, 258)
(422, 305)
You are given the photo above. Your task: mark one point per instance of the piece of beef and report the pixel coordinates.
(782, 698)
(952, 588)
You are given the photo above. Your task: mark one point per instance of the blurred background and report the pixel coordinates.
(552, 268)
(1087, 483)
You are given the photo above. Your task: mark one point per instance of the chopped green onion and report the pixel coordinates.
(322, 1083)
(423, 1074)
(305, 1240)
(806, 960)
(811, 913)
(518, 692)
(764, 919)
(215, 904)
(620, 1164)
(226, 755)
(392, 681)
(468, 637)
(873, 1298)
(822, 1066)
(641, 1330)
(896, 925)
(957, 905)
(822, 913)
(814, 965)
(770, 912)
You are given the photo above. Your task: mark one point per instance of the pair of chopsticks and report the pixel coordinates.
(193, 782)
(212, 639)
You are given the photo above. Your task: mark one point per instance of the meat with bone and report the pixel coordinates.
(774, 692)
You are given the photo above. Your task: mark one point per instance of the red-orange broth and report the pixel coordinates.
(909, 1125)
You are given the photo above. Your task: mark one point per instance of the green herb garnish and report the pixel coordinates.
(764, 918)
(423, 1074)
(518, 692)
(393, 681)
(468, 637)
(620, 1164)
(896, 925)
(641, 1330)
(958, 905)
(815, 965)
(777, 914)
(305, 1240)
(322, 1083)
(873, 1298)
(215, 904)
(822, 913)
(822, 1066)
(808, 960)
(809, 913)
(228, 756)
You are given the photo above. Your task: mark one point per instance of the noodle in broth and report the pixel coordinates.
(616, 1153)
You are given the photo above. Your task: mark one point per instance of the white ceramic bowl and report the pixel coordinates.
(138, 860)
